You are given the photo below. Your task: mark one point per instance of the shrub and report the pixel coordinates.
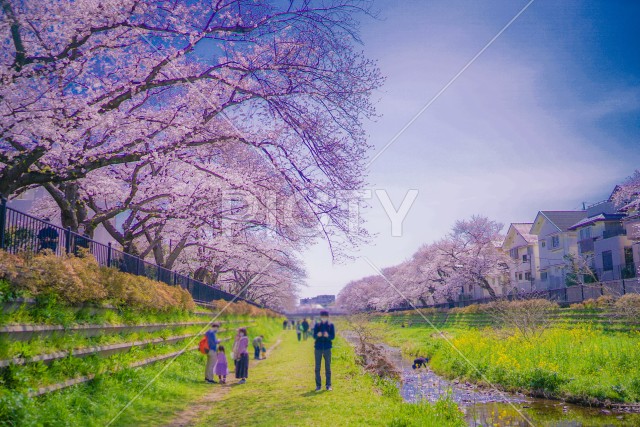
(470, 309)
(545, 381)
(628, 307)
(529, 317)
(10, 265)
(241, 308)
(605, 301)
(602, 302)
(74, 280)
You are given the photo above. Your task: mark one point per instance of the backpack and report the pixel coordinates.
(204, 345)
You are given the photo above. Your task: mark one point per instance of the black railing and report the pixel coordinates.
(23, 233)
(614, 233)
(564, 296)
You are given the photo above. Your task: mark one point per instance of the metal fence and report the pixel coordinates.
(564, 296)
(20, 233)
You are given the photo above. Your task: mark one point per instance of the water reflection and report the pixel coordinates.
(542, 412)
(488, 407)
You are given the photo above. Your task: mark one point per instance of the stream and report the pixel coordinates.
(488, 407)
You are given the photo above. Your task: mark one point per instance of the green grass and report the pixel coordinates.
(97, 402)
(62, 340)
(280, 391)
(70, 341)
(564, 318)
(581, 363)
(49, 311)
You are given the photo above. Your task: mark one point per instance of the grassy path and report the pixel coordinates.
(280, 392)
(191, 413)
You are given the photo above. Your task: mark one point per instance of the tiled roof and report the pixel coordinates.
(593, 219)
(524, 229)
(564, 219)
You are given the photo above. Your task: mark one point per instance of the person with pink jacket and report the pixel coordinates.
(242, 356)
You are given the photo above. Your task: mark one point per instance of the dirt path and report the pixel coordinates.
(218, 391)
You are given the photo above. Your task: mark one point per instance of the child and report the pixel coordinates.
(299, 331)
(221, 365)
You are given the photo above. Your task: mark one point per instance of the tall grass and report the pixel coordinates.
(580, 363)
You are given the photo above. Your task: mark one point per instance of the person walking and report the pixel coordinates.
(242, 366)
(257, 346)
(285, 323)
(323, 332)
(299, 331)
(221, 369)
(48, 237)
(305, 329)
(212, 342)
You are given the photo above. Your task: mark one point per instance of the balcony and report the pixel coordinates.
(586, 245)
(617, 272)
(614, 233)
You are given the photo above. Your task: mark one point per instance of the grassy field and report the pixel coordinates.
(579, 363)
(97, 402)
(280, 392)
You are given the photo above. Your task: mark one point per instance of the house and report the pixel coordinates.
(556, 242)
(603, 244)
(632, 226)
(522, 248)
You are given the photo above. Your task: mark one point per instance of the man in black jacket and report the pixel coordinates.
(324, 333)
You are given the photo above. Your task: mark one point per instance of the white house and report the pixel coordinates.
(604, 244)
(555, 242)
(522, 247)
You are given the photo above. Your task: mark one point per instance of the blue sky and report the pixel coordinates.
(546, 118)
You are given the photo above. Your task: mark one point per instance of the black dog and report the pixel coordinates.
(420, 362)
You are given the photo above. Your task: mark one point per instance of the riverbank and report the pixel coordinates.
(581, 364)
(486, 406)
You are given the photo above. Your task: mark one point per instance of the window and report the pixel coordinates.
(470, 288)
(555, 242)
(543, 276)
(513, 253)
(543, 244)
(628, 256)
(585, 233)
(519, 276)
(527, 276)
(607, 261)
(525, 258)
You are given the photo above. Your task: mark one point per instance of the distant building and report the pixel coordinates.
(323, 300)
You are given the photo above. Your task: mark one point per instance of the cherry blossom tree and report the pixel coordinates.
(88, 85)
(627, 195)
(364, 294)
(473, 255)
(437, 272)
